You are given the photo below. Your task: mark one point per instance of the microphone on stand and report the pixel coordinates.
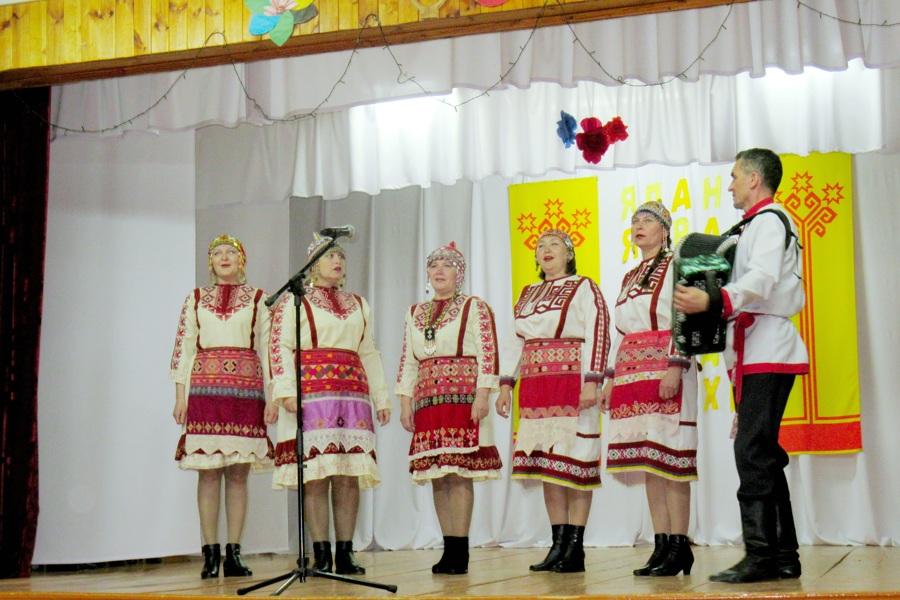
(335, 232)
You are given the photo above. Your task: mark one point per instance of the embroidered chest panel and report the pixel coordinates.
(336, 302)
(632, 288)
(538, 299)
(225, 300)
(429, 311)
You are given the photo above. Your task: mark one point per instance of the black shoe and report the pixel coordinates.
(560, 534)
(322, 556)
(456, 557)
(234, 564)
(749, 570)
(212, 556)
(678, 558)
(788, 566)
(344, 562)
(572, 558)
(660, 542)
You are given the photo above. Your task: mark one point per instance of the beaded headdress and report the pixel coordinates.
(559, 233)
(229, 240)
(453, 256)
(658, 210)
(318, 242)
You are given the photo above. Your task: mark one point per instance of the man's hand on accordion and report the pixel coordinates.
(690, 300)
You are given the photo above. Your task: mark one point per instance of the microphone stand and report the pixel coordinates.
(295, 285)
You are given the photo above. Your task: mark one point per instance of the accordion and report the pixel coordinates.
(702, 261)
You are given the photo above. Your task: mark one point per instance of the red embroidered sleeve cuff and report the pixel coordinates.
(727, 308)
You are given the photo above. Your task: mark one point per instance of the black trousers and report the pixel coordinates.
(759, 457)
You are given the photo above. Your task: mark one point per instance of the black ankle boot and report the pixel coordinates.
(560, 534)
(758, 524)
(322, 556)
(234, 564)
(212, 556)
(344, 562)
(660, 542)
(456, 557)
(443, 564)
(572, 558)
(678, 558)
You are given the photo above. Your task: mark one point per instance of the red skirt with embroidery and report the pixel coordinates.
(225, 421)
(445, 438)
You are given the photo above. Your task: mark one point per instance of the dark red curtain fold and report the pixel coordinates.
(25, 147)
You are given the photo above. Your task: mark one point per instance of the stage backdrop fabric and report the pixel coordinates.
(124, 244)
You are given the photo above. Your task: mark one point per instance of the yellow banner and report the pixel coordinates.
(822, 415)
(570, 205)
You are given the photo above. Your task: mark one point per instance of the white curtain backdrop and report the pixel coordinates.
(130, 218)
(742, 38)
(124, 246)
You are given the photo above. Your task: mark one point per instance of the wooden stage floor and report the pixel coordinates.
(858, 572)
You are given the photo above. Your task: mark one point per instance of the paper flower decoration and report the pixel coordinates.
(596, 138)
(278, 17)
(566, 128)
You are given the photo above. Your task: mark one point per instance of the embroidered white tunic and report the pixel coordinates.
(767, 286)
(477, 341)
(653, 440)
(222, 316)
(566, 447)
(328, 320)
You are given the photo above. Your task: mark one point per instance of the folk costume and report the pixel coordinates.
(221, 332)
(561, 330)
(766, 353)
(342, 378)
(646, 433)
(449, 350)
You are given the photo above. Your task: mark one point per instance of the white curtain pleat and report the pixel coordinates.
(748, 38)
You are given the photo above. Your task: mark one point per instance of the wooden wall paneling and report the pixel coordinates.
(159, 28)
(104, 13)
(196, 28)
(450, 9)
(328, 16)
(214, 21)
(178, 25)
(36, 34)
(233, 12)
(71, 42)
(12, 28)
(142, 13)
(56, 14)
(311, 26)
(469, 7)
(366, 8)
(387, 12)
(124, 28)
(407, 11)
(348, 14)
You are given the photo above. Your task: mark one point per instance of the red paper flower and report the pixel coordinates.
(592, 141)
(615, 130)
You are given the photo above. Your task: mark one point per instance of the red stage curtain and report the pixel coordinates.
(25, 144)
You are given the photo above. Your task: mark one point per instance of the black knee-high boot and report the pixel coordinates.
(758, 522)
(678, 558)
(212, 556)
(322, 556)
(786, 557)
(344, 561)
(560, 535)
(660, 545)
(234, 564)
(572, 558)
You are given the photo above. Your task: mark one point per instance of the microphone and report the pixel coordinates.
(335, 232)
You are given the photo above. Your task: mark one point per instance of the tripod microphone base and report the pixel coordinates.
(303, 572)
